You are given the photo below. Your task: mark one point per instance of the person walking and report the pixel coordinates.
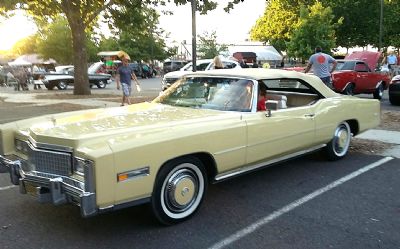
(320, 63)
(123, 78)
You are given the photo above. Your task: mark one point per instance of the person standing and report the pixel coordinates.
(320, 63)
(218, 63)
(392, 62)
(123, 78)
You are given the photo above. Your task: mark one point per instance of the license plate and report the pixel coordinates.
(31, 189)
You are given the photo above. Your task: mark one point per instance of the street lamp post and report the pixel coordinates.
(380, 26)
(194, 3)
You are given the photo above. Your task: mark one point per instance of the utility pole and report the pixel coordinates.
(380, 26)
(194, 5)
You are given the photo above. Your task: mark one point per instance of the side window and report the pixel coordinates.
(361, 67)
(294, 92)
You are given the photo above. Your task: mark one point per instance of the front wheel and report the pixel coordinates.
(62, 85)
(378, 94)
(179, 190)
(394, 100)
(338, 147)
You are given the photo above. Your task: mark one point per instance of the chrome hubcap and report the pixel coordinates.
(182, 191)
(342, 139)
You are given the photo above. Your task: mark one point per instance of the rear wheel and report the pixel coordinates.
(179, 190)
(338, 147)
(378, 92)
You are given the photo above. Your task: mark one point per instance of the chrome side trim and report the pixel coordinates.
(341, 90)
(378, 84)
(242, 170)
(136, 173)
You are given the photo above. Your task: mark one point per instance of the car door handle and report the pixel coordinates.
(310, 115)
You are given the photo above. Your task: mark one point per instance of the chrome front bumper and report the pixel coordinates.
(51, 188)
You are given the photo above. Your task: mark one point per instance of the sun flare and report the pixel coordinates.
(15, 29)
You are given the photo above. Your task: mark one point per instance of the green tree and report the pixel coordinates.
(81, 15)
(360, 22)
(391, 21)
(208, 46)
(314, 28)
(55, 41)
(27, 45)
(136, 32)
(279, 19)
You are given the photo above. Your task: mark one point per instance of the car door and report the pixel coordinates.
(363, 77)
(286, 131)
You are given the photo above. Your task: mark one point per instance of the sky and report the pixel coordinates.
(230, 27)
(233, 27)
(14, 29)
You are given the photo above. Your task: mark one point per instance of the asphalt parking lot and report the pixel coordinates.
(271, 208)
(303, 203)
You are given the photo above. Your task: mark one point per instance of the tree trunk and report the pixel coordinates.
(81, 80)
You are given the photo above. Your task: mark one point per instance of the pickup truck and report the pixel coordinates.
(353, 75)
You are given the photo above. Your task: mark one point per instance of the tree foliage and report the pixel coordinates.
(54, 41)
(81, 15)
(27, 45)
(208, 46)
(359, 22)
(314, 28)
(280, 18)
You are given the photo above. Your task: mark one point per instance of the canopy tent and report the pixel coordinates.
(113, 54)
(263, 52)
(34, 59)
(20, 62)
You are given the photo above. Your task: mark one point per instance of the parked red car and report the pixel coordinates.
(353, 75)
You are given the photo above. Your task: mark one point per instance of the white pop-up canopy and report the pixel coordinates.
(263, 52)
(20, 62)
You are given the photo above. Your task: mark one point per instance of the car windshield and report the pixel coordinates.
(224, 94)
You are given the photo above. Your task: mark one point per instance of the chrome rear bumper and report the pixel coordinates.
(51, 188)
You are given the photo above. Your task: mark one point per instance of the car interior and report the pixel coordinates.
(288, 93)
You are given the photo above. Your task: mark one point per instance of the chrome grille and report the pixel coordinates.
(48, 161)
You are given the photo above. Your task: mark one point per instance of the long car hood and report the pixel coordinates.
(72, 128)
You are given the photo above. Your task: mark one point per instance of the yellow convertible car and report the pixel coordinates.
(204, 129)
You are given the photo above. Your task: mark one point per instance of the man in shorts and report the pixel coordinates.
(320, 63)
(124, 76)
